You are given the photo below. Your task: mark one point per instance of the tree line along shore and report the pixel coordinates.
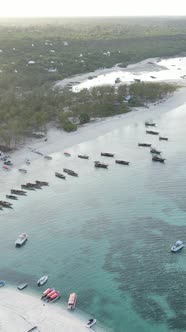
(34, 54)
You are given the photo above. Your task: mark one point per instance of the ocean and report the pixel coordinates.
(107, 234)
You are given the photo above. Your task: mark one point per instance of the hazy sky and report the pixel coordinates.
(91, 7)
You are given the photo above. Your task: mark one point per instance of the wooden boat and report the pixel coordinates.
(147, 123)
(156, 158)
(122, 162)
(106, 154)
(72, 301)
(46, 292)
(48, 157)
(42, 183)
(98, 164)
(22, 170)
(69, 172)
(6, 204)
(11, 197)
(18, 192)
(144, 144)
(83, 156)
(22, 286)
(59, 175)
(91, 322)
(25, 186)
(155, 151)
(42, 281)
(67, 154)
(152, 132)
(163, 138)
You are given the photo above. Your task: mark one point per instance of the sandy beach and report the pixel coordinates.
(20, 311)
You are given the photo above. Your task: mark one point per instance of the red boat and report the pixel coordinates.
(55, 297)
(5, 167)
(52, 296)
(72, 301)
(46, 292)
(51, 293)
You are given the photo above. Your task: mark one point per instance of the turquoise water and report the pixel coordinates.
(107, 234)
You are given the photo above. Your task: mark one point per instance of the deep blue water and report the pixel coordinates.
(107, 234)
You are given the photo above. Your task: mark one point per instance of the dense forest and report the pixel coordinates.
(34, 54)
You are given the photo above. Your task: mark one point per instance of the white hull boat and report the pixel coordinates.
(177, 246)
(42, 281)
(91, 322)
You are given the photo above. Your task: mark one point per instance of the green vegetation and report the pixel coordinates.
(36, 53)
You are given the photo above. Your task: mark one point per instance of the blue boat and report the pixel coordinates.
(2, 283)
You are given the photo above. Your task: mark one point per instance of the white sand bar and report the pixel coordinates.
(20, 311)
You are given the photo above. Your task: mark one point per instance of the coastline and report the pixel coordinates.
(59, 140)
(25, 310)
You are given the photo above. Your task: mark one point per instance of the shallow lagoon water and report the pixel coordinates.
(107, 234)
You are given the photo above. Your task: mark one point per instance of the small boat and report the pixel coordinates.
(34, 185)
(22, 238)
(47, 296)
(155, 151)
(2, 283)
(91, 322)
(98, 164)
(144, 144)
(6, 167)
(27, 161)
(46, 292)
(122, 162)
(137, 80)
(38, 152)
(48, 157)
(6, 204)
(42, 281)
(33, 328)
(83, 156)
(70, 172)
(177, 246)
(67, 154)
(42, 183)
(60, 175)
(22, 286)
(22, 170)
(54, 297)
(18, 192)
(72, 301)
(147, 123)
(156, 158)
(8, 163)
(153, 76)
(11, 197)
(163, 138)
(152, 132)
(106, 154)
(25, 186)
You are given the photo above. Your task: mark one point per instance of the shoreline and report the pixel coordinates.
(59, 140)
(24, 310)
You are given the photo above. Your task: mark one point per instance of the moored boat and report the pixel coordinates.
(8, 163)
(83, 156)
(98, 164)
(11, 197)
(72, 301)
(153, 150)
(22, 286)
(91, 322)
(22, 170)
(33, 328)
(122, 162)
(42, 183)
(25, 186)
(60, 175)
(27, 161)
(67, 154)
(6, 204)
(70, 172)
(48, 157)
(18, 192)
(150, 124)
(152, 132)
(42, 281)
(54, 297)
(46, 292)
(22, 238)
(156, 158)
(163, 138)
(106, 154)
(177, 246)
(144, 144)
